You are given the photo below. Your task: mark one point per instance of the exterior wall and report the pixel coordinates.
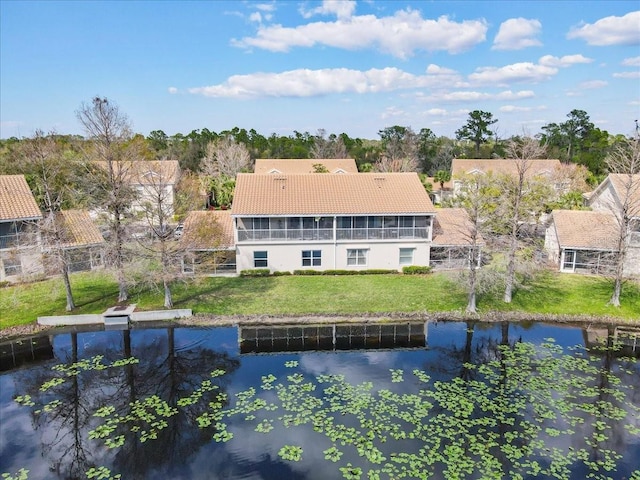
(288, 256)
(28, 259)
(551, 244)
(604, 201)
(632, 262)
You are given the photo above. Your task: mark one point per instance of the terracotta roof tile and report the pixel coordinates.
(452, 227)
(326, 194)
(208, 229)
(585, 229)
(80, 229)
(463, 166)
(304, 165)
(16, 200)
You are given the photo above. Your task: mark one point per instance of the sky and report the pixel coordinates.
(354, 67)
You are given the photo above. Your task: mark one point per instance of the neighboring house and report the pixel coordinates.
(207, 240)
(587, 241)
(20, 254)
(460, 167)
(581, 241)
(324, 222)
(452, 240)
(82, 242)
(151, 179)
(439, 194)
(305, 165)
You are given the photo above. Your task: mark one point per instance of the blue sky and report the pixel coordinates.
(342, 66)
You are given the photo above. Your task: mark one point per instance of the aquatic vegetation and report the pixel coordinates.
(515, 415)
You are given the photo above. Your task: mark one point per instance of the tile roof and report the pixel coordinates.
(623, 185)
(304, 165)
(584, 229)
(80, 229)
(208, 229)
(16, 200)
(452, 227)
(325, 194)
(138, 171)
(463, 166)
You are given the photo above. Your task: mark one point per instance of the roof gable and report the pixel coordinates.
(208, 230)
(326, 194)
(304, 165)
(16, 199)
(79, 228)
(452, 227)
(538, 167)
(584, 229)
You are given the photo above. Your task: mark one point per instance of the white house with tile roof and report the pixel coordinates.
(304, 165)
(287, 222)
(208, 243)
(19, 236)
(587, 241)
(453, 243)
(542, 168)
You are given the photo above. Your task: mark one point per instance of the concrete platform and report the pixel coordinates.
(116, 317)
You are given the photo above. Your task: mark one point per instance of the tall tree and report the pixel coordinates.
(477, 128)
(43, 160)
(110, 159)
(400, 147)
(624, 161)
(523, 197)
(328, 147)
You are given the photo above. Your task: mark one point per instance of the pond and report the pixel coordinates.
(437, 400)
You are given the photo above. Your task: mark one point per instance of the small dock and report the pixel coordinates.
(115, 317)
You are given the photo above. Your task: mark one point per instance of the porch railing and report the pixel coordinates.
(327, 234)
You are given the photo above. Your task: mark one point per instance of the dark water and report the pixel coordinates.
(435, 400)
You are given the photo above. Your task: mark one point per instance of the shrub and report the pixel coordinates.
(256, 272)
(416, 270)
(308, 272)
(281, 274)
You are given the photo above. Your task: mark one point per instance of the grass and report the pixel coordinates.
(550, 293)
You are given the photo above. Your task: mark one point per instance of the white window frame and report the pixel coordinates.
(258, 260)
(311, 258)
(357, 257)
(406, 256)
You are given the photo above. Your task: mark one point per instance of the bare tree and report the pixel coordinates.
(111, 158)
(331, 147)
(624, 164)
(523, 196)
(400, 164)
(42, 158)
(159, 249)
(225, 157)
(478, 198)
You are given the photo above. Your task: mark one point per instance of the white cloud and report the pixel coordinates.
(410, 33)
(610, 31)
(393, 112)
(631, 62)
(308, 83)
(517, 33)
(566, 61)
(472, 96)
(590, 85)
(343, 9)
(627, 75)
(172, 90)
(255, 17)
(516, 72)
(438, 112)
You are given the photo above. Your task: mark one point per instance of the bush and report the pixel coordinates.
(281, 274)
(256, 272)
(345, 272)
(416, 270)
(4, 283)
(307, 272)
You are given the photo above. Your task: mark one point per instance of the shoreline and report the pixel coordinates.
(212, 320)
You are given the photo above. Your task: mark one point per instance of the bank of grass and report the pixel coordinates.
(550, 293)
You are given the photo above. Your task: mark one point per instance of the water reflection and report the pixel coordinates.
(156, 407)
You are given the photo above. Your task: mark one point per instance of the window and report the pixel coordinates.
(12, 266)
(260, 259)
(406, 256)
(311, 258)
(357, 256)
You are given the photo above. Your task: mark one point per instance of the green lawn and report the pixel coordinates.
(440, 292)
